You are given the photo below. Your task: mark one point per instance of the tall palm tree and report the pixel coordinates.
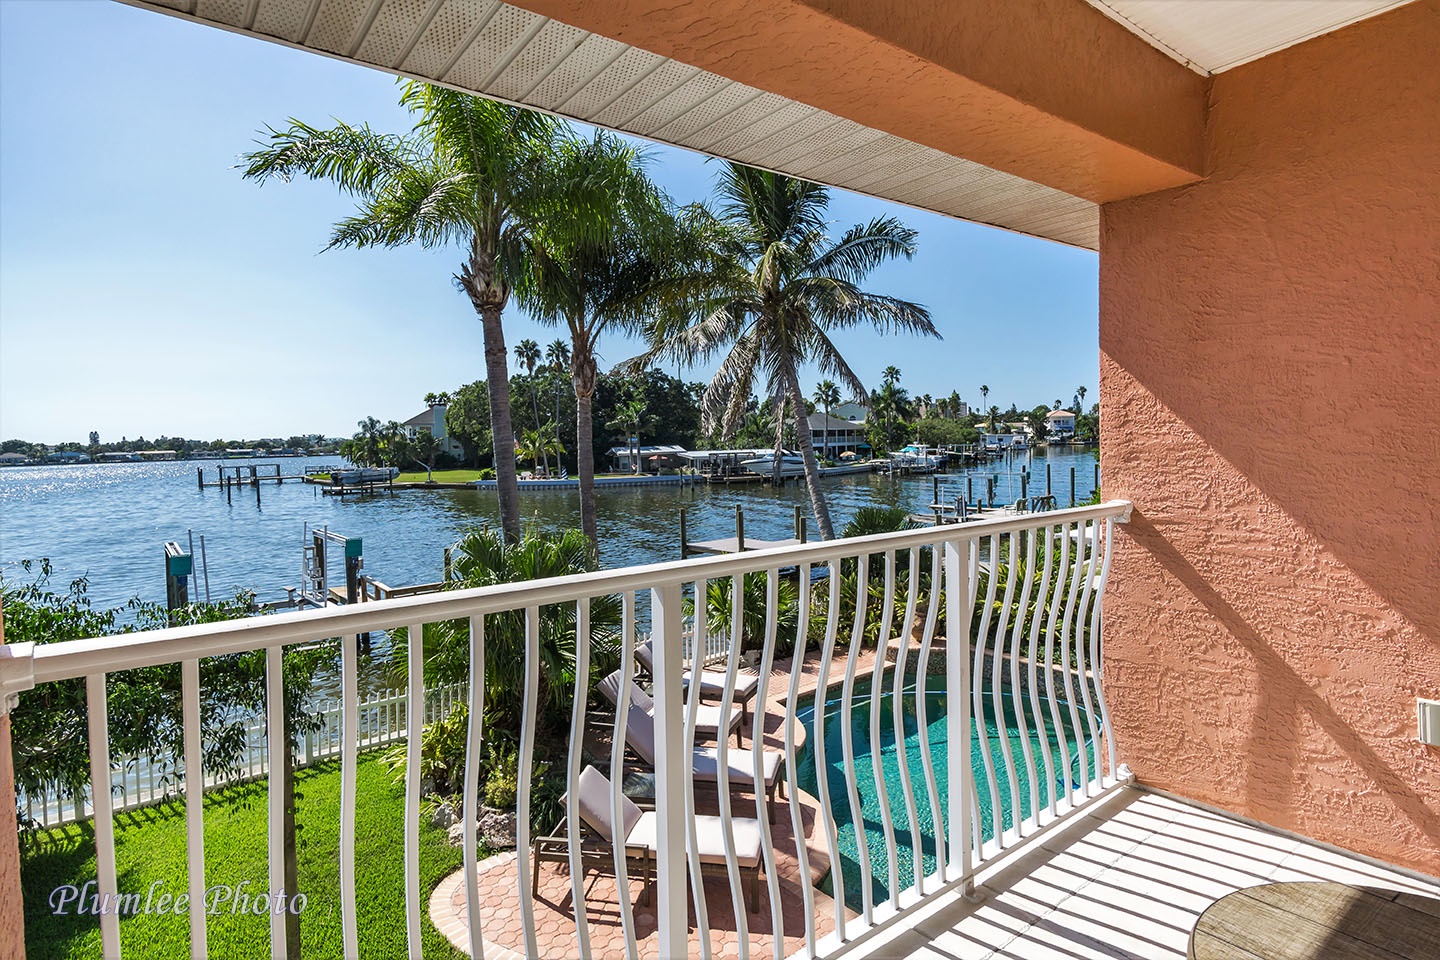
(557, 355)
(827, 395)
(984, 398)
(771, 292)
(1080, 393)
(594, 268)
(527, 351)
(890, 375)
(473, 173)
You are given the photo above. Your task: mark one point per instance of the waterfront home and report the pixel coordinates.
(432, 421)
(851, 410)
(1225, 697)
(1061, 424)
(833, 436)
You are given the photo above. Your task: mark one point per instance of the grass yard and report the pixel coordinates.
(440, 476)
(150, 846)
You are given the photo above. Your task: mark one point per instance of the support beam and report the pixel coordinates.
(1049, 90)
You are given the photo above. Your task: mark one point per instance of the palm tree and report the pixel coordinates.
(557, 355)
(536, 445)
(630, 417)
(827, 395)
(890, 375)
(994, 412)
(473, 172)
(984, 397)
(594, 268)
(528, 353)
(771, 292)
(1080, 401)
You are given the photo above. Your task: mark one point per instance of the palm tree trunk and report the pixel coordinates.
(502, 430)
(535, 406)
(807, 451)
(582, 369)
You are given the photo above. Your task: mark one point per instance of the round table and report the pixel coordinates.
(1311, 921)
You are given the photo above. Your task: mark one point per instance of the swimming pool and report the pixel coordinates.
(936, 709)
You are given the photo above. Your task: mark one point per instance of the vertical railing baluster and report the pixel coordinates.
(97, 715)
(1061, 785)
(1085, 664)
(692, 704)
(349, 742)
(1017, 698)
(847, 735)
(959, 608)
(1042, 603)
(977, 690)
(469, 800)
(1067, 616)
(674, 762)
(997, 679)
(897, 720)
(617, 773)
(1097, 649)
(414, 733)
(797, 817)
(572, 773)
(275, 789)
(922, 718)
(822, 770)
(529, 716)
(877, 767)
(722, 758)
(757, 757)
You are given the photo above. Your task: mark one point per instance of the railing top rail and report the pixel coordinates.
(77, 658)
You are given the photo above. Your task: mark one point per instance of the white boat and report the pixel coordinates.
(917, 458)
(363, 475)
(791, 464)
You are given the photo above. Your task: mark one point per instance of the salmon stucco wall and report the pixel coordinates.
(1270, 383)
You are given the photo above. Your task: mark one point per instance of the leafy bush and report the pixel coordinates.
(487, 473)
(144, 706)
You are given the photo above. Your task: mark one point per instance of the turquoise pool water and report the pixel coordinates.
(921, 839)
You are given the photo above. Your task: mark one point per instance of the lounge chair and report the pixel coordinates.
(712, 682)
(705, 761)
(638, 829)
(707, 720)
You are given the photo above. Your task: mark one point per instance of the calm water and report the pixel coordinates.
(109, 521)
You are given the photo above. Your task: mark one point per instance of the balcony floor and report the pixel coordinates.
(1128, 880)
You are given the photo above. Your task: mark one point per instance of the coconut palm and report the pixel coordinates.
(1080, 400)
(473, 172)
(527, 351)
(827, 395)
(890, 375)
(557, 355)
(536, 446)
(594, 267)
(770, 293)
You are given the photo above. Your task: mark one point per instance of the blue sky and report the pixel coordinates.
(146, 289)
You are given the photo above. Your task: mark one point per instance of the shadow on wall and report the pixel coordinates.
(1283, 696)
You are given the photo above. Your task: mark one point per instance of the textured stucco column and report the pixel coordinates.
(12, 911)
(1270, 383)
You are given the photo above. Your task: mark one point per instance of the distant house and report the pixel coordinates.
(850, 410)
(432, 421)
(1060, 421)
(12, 459)
(833, 436)
(652, 459)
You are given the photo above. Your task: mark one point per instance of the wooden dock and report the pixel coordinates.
(735, 545)
(738, 543)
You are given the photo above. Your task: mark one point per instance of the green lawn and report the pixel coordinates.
(150, 846)
(440, 476)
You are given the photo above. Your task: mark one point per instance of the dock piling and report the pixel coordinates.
(739, 528)
(684, 538)
(1072, 486)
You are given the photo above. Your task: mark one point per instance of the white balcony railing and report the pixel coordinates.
(1028, 588)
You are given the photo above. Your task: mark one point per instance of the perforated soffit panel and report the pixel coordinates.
(518, 56)
(1210, 36)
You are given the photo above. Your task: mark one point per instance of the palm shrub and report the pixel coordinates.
(754, 618)
(485, 558)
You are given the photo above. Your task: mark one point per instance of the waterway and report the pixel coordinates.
(108, 522)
